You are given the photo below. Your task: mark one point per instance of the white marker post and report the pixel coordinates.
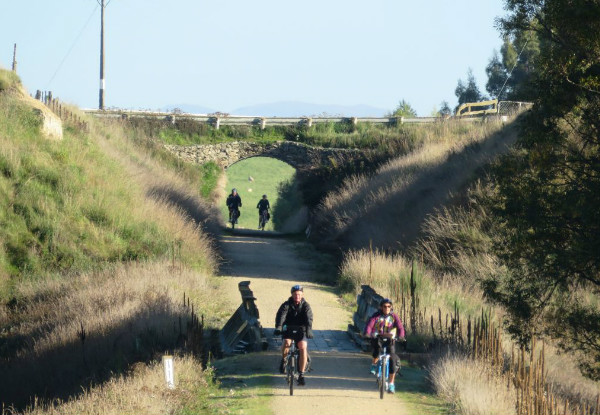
(169, 371)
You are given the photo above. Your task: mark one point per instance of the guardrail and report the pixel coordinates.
(218, 120)
(243, 333)
(464, 113)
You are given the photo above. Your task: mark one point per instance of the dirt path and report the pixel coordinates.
(340, 382)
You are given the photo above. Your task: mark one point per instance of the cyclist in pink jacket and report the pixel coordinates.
(385, 323)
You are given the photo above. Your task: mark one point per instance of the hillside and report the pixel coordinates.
(387, 209)
(99, 241)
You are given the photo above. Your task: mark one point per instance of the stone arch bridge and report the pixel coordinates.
(298, 155)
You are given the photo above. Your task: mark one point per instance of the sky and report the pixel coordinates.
(228, 54)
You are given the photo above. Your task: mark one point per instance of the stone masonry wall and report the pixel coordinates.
(297, 155)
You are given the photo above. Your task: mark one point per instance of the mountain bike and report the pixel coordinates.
(292, 358)
(235, 214)
(383, 363)
(263, 219)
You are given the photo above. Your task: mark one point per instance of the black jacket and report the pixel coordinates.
(234, 202)
(263, 204)
(295, 315)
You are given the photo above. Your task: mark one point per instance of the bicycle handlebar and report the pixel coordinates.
(290, 329)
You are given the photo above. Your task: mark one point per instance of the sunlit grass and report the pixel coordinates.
(266, 174)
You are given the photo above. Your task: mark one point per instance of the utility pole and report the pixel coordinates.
(101, 104)
(14, 63)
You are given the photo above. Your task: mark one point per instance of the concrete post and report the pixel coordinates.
(217, 123)
(263, 123)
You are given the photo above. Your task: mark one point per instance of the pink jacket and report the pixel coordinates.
(373, 319)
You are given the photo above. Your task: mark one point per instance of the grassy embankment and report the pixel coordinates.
(99, 241)
(454, 242)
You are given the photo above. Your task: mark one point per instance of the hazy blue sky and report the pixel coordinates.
(231, 53)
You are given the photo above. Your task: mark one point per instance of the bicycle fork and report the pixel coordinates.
(384, 369)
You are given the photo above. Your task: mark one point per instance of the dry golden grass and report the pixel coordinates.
(471, 387)
(128, 312)
(384, 272)
(143, 391)
(389, 206)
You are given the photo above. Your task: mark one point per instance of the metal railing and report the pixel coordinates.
(218, 120)
(465, 113)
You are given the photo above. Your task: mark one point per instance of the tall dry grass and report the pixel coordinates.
(389, 206)
(390, 276)
(126, 313)
(141, 391)
(471, 387)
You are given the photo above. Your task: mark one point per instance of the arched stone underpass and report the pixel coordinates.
(298, 155)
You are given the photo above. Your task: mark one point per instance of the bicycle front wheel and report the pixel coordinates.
(291, 375)
(383, 378)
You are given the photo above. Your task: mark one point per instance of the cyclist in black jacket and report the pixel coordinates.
(295, 312)
(234, 202)
(263, 204)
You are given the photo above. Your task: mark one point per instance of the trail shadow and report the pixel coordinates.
(64, 371)
(260, 257)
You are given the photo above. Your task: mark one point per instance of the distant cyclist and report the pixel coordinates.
(263, 206)
(385, 323)
(234, 203)
(295, 312)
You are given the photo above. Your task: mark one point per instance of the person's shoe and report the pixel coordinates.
(301, 381)
(281, 367)
(391, 388)
(373, 369)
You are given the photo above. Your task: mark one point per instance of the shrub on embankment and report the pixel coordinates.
(100, 242)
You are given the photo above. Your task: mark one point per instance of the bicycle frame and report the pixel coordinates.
(263, 219)
(234, 216)
(291, 364)
(383, 365)
(292, 360)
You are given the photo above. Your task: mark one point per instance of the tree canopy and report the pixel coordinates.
(548, 192)
(468, 92)
(404, 109)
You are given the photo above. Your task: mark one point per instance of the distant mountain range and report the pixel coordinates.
(289, 109)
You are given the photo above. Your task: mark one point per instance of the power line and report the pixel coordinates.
(72, 46)
(511, 71)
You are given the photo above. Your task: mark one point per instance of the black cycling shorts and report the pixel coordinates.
(297, 337)
(391, 350)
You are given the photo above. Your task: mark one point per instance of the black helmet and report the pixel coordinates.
(234, 190)
(385, 301)
(265, 196)
(297, 288)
